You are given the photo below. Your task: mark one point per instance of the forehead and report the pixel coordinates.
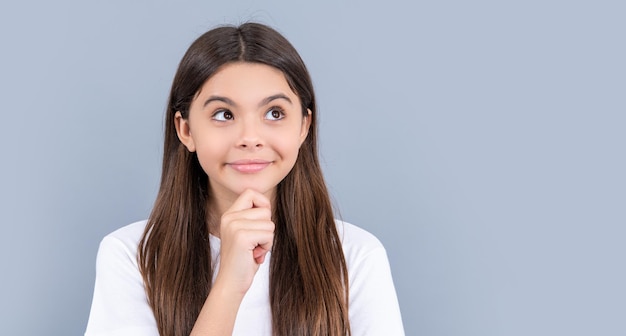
(246, 82)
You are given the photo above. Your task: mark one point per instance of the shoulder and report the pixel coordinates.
(119, 304)
(128, 236)
(372, 292)
(121, 244)
(116, 264)
(353, 236)
(356, 242)
(130, 233)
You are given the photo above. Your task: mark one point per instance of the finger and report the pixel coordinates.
(243, 228)
(253, 214)
(248, 234)
(263, 239)
(259, 253)
(257, 237)
(249, 199)
(266, 244)
(258, 242)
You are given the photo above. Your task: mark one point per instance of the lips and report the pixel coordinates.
(249, 166)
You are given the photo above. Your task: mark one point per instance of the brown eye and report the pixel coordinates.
(275, 114)
(223, 115)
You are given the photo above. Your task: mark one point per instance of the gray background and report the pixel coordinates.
(482, 142)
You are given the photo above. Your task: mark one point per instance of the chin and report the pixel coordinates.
(262, 189)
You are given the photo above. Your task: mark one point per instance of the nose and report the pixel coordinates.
(250, 137)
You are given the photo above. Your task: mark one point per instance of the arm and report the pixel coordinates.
(247, 234)
(374, 308)
(119, 305)
(218, 314)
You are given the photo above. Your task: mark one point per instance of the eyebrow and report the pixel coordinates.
(232, 103)
(219, 98)
(274, 97)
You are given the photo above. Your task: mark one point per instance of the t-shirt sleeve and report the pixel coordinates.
(374, 308)
(119, 305)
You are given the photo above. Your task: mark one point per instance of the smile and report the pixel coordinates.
(249, 166)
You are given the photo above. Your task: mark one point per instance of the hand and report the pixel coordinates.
(247, 234)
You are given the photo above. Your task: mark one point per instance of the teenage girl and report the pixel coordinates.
(242, 238)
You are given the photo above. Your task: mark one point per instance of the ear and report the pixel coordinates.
(306, 124)
(184, 132)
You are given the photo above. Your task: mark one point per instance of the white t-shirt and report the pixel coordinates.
(120, 306)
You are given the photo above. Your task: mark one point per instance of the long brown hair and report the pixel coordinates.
(308, 273)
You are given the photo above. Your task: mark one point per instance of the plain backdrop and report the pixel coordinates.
(481, 141)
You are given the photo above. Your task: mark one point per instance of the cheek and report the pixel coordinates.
(289, 151)
(286, 141)
(211, 152)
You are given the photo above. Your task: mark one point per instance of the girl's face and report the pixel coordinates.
(246, 125)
